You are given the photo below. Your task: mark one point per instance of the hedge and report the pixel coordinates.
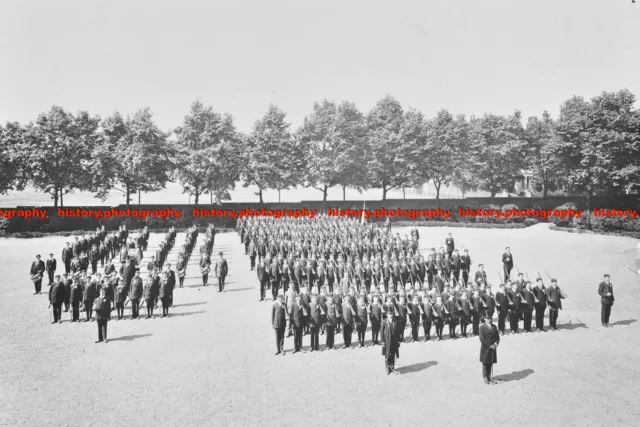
(36, 234)
(566, 221)
(456, 224)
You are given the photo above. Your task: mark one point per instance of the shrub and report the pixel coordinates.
(530, 221)
(4, 224)
(489, 219)
(566, 221)
(516, 219)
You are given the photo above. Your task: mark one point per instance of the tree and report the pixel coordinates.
(333, 140)
(443, 152)
(389, 163)
(545, 146)
(134, 156)
(208, 150)
(58, 151)
(599, 143)
(13, 168)
(273, 157)
(500, 149)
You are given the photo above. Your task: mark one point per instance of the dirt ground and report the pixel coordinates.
(212, 362)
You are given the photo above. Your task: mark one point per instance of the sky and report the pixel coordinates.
(468, 56)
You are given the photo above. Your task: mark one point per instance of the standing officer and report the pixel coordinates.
(279, 322)
(56, 298)
(51, 268)
(296, 318)
(540, 294)
(67, 256)
(390, 342)
(605, 290)
(263, 278)
(37, 270)
(555, 303)
(221, 271)
(135, 293)
(489, 339)
(507, 262)
(450, 245)
(102, 307)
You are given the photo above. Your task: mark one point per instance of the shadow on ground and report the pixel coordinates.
(130, 337)
(417, 367)
(623, 322)
(514, 376)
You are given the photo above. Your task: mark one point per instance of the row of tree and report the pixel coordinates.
(592, 148)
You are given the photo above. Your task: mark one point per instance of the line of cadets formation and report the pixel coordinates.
(78, 289)
(362, 270)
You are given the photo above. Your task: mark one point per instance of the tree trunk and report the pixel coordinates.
(55, 197)
(437, 184)
(278, 195)
(61, 198)
(211, 197)
(128, 193)
(344, 193)
(324, 194)
(139, 196)
(404, 195)
(259, 194)
(589, 210)
(196, 196)
(384, 192)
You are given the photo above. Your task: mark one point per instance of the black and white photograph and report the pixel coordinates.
(319, 213)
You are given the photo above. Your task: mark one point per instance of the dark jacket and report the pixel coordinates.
(603, 289)
(488, 336)
(103, 308)
(278, 316)
(57, 293)
(389, 337)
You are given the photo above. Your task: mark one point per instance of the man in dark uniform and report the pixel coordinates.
(67, 256)
(540, 294)
(135, 293)
(51, 268)
(279, 322)
(481, 275)
(348, 315)
(296, 317)
(507, 263)
(489, 339)
(504, 305)
(527, 307)
(315, 321)
(56, 298)
(555, 303)
(390, 343)
(102, 307)
(605, 290)
(221, 271)
(450, 245)
(514, 313)
(76, 299)
(171, 281)
(465, 266)
(37, 270)
(263, 277)
(332, 319)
